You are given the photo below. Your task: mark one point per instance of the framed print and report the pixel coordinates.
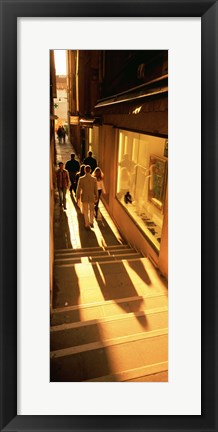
(35, 28)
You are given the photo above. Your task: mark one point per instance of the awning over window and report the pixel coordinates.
(146, 115)
(86, 122)
(90, 122)
(156, 87)
(143, 108)
(136, 106)
(131, 97)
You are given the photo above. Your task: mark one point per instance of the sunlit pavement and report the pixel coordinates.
(110, 306)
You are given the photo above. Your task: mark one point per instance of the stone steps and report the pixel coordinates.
(109, 319)
(98, 257)
(119, 326)
(86, 282)
(92, 249)
(95, 254)
(104, 309)
(109, 359)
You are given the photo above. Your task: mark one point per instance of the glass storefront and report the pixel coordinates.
(141, 181)
(93, 139)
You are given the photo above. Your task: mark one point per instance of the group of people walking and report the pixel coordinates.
(86, 181)
(61, 133)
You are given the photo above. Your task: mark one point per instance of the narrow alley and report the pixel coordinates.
(109, 312)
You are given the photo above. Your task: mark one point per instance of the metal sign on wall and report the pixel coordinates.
(74, 120)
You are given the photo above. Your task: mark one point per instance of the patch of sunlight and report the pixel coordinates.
(85, 270)
(120, 330)
(88, 313)
(73, 224)
(91, 282)
(84, 260)
(123, 326)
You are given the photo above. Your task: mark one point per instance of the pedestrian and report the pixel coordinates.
(90, 160)
(59, 134)
(98, 174)
(79, 174)
(88, 193)
(72, 166)
(63, 182)
(63, 134)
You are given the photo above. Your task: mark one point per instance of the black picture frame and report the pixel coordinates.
(10, 11)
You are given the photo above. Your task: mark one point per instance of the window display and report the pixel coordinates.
(141, 181)
(157, 180)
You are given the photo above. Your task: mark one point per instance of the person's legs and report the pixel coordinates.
(60, 192)
(64, 197)
(96, 209)
(74, 183)
(71, 180)
(96, 205)
(91, 209)
(85, 213)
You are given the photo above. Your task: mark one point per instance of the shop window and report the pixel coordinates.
(141, 181)
(93, 140)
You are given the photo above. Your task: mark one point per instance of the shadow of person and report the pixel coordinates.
(95, 364)
(116, 284)
(142, 320)
(62, 237)
(107, 233)
(140, 271)
(66, 291)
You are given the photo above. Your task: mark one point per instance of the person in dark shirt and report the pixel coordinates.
(80, 173)
(63, 134)
(89, 160)
(59, 134)
(72, 166)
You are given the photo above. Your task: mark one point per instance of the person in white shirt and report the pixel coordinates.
(88, 193)
(98, 174)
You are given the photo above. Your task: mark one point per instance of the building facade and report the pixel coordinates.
(119, 103)
(52, 162)
(60, 102)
